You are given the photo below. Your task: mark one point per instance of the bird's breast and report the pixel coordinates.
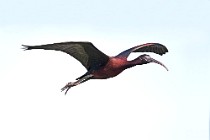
(114, 67)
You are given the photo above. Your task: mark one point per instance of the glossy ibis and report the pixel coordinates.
(98, 64)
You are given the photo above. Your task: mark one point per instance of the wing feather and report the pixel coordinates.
(149, 47)
(85, 52)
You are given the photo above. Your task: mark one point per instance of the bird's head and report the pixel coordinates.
(147, 59)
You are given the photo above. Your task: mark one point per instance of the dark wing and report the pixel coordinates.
(85, 52)
(149, 47)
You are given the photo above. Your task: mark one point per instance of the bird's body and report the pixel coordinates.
(98, 64)
(114, 67)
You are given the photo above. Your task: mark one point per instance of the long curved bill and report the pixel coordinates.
(158, 62)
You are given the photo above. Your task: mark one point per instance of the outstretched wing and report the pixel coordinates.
(85, 52)
(149, 47)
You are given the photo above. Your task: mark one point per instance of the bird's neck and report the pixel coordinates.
(135, 62)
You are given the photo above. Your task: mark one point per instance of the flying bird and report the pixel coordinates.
(100, 65)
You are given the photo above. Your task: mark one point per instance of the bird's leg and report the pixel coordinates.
(72, 84)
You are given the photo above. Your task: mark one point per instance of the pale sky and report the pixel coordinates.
(143, 103)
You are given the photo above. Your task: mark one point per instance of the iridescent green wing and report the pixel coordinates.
(85, 52)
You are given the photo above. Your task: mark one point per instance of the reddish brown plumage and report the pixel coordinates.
(98, 64)
(113, 67)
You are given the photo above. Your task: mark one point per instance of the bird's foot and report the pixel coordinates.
(68, 86)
